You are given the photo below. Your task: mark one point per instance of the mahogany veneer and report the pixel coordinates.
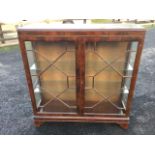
(81, 73)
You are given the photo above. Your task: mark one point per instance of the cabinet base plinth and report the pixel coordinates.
(122, 122)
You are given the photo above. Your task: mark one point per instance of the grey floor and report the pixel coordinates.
(16, 113)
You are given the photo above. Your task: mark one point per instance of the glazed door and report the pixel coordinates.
(81, 77)
(53, 73)
(108, 72)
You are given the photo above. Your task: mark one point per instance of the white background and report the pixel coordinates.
(14, 10)
(77, 145)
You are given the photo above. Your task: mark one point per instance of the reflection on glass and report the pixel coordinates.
(37, 92)
(134, 46)
(32, 64)
(28, 45)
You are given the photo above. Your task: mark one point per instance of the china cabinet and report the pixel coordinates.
(81, 73)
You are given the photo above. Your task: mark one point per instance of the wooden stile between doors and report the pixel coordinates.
(80, 75)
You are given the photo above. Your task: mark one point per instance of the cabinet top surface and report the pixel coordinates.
(81, 27)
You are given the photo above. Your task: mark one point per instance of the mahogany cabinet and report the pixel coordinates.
(81, 73)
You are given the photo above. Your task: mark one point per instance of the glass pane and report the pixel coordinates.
(71, 82)
(92, 97)
(134, 46)
(94, 62)
(89, 82)
(37, 90)
(105, 71)
(32, 63)
(53, 63)
(31, 59)
(28, 45)
(111, 51)
(125, 90)
(68, 57)
(131, 58)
